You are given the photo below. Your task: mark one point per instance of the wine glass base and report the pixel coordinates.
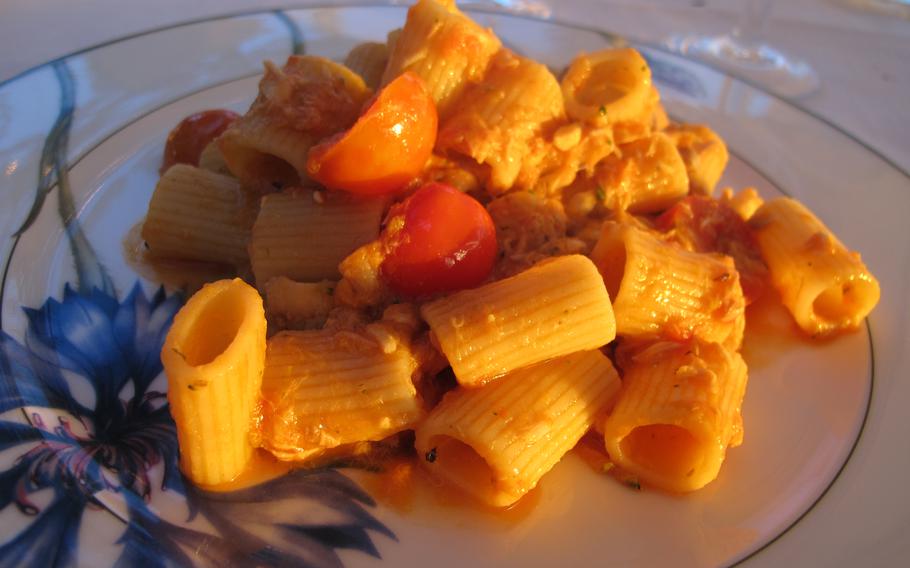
(759, 64)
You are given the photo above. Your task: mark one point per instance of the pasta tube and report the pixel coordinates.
(303, 235)
(608, 86)
(197, 214)
(368, 60)
(677, 413)
(660, 290)
(613, 88)
(298, 305)
(299, 104)
(213, 357)
(496, 442)
(212, 159)
(322, 390)
(443, 47)
(557, 307)
(824, 285)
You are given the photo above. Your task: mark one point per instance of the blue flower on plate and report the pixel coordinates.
(96, 436)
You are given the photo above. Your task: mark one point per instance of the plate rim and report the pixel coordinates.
(280, 12)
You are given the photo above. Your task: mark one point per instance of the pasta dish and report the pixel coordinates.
(443, 243)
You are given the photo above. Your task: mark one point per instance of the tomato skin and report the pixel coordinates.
(189, 138)
(386, 148)
(438, 240)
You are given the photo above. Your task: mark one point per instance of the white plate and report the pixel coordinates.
(87, 461)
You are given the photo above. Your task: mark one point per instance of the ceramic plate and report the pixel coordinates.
(88, 471)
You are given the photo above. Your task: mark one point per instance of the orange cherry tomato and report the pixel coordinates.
(387, 146)
(188, 139)
(438, 240)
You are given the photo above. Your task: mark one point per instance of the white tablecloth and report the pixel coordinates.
(863, 58)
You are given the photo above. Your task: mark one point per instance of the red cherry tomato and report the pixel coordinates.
(438, 240)
(387, 146)
(188, 139)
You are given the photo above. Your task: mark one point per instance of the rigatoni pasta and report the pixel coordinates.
(443, 47)
(197, 214)
(214, 357)
(291, 304)
(497, 442)
(300, 103)
(323, 389)
(824, 285)
(369, 60)
(678, 412)
(212, 159)
(608, 86)
(557, 307)
(303, 235)
(660, 290)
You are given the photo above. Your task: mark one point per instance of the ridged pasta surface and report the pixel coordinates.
(496, 442)
(555, 308)
(214, 357)
(323, 389)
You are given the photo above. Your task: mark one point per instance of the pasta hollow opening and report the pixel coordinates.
(668, 450)
(460, 464)
(260, 165)
(215, 328)
(613, 266)
(841, 302)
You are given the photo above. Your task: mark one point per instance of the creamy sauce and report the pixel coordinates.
(262, 467)
(391, 473)
(404, 486)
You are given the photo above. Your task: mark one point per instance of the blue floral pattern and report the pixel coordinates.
(81, 451)
(77, 450)
(93, 431)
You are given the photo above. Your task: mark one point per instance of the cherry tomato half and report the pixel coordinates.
(188, 139)
(438, 240)
(387, 146)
